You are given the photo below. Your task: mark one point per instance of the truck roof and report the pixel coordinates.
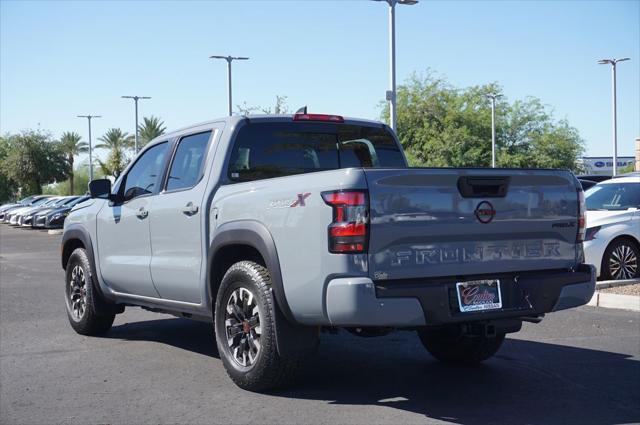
(235, 119)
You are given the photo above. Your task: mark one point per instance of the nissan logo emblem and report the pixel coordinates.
(484, 212)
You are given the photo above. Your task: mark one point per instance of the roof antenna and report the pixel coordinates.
(302, 110)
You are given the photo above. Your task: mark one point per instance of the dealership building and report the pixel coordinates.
(604, 164)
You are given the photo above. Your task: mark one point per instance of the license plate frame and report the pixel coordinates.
(470, 301)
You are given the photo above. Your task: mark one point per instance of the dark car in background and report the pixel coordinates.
(17, 218)
(54, 218)
(26, 220)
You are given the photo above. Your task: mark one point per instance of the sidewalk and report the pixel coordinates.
(606, 296)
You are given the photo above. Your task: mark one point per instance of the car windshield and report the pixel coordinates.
(65, 201)
(40, 201)
(50, 202)
(613, 196)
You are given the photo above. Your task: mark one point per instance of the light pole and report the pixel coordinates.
(493, 98)
(391, 93)
(229, 59)
(613, 63)
(135, 100)
(89, 117)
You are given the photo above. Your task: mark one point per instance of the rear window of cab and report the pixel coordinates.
(268, 150)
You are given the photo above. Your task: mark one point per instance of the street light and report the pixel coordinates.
(613, 63)
(391, 94)
(229, 59)
(493, 98)
(89, 117)
(135, 99)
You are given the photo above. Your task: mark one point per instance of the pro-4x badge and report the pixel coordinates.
(300, 201)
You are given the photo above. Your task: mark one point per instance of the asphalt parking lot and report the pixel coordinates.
(576, 367)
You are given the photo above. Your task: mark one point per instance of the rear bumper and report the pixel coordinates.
(361, 302)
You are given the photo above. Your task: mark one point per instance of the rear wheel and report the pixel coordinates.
(621, 260)
(83, 302)
(451, 345)
(245, 331)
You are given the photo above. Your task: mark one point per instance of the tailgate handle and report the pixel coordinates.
(483, 187)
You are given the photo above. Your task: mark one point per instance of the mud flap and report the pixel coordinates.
(294, 340)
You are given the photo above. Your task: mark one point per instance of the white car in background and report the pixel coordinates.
(612, 241)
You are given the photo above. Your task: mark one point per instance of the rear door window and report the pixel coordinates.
(186, 166)
(268, 150)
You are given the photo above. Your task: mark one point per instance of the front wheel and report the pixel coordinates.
(451, 345)
(83, 302)
(245, 330)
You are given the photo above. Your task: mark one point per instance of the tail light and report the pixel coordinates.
(349, 231)
(318, 117)
(582, 221)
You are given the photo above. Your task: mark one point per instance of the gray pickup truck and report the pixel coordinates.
(276, 228)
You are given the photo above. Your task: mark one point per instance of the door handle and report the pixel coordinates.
(142, 213)
(190, 209)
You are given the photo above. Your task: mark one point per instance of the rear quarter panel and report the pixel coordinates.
(299, 231)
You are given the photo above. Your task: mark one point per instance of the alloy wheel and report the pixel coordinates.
(623, 262)
(242, 325)
(77, 292)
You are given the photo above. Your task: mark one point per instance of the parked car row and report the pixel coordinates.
(39, 211)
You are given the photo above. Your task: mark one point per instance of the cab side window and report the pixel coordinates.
(187, 162)
(143, 176)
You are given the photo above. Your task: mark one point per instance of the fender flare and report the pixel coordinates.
(257, 236)
(78, 232)
(291, 337)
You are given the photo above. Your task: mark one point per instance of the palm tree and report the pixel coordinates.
(151, 128)
(72, 146)
(118, 143)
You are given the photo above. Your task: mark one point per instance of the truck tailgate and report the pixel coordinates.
(460, 222)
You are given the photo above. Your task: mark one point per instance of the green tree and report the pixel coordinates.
(72, 145)
(33, 160)
(150, 128)
(280, 107)
(8, 187)
(81, 179)
(440, 125)
(118, 143)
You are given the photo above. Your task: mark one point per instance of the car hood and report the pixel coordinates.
(44, 210)
(6, 207)
(604, 218)
(20, 210)
(53, 211)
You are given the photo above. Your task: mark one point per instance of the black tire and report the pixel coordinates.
(268, 370)
(450, 345)
(623, 249)
(83, 314)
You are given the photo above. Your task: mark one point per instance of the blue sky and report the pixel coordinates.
(61, 59)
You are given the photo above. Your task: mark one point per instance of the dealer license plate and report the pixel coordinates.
(479, 295)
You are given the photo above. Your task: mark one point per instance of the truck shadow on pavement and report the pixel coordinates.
(526, 382)
(190, 335)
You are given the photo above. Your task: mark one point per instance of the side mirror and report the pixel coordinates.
(100, 188)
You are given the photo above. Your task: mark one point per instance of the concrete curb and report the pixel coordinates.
(624, 302)
(615, 283)
(55, 232)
